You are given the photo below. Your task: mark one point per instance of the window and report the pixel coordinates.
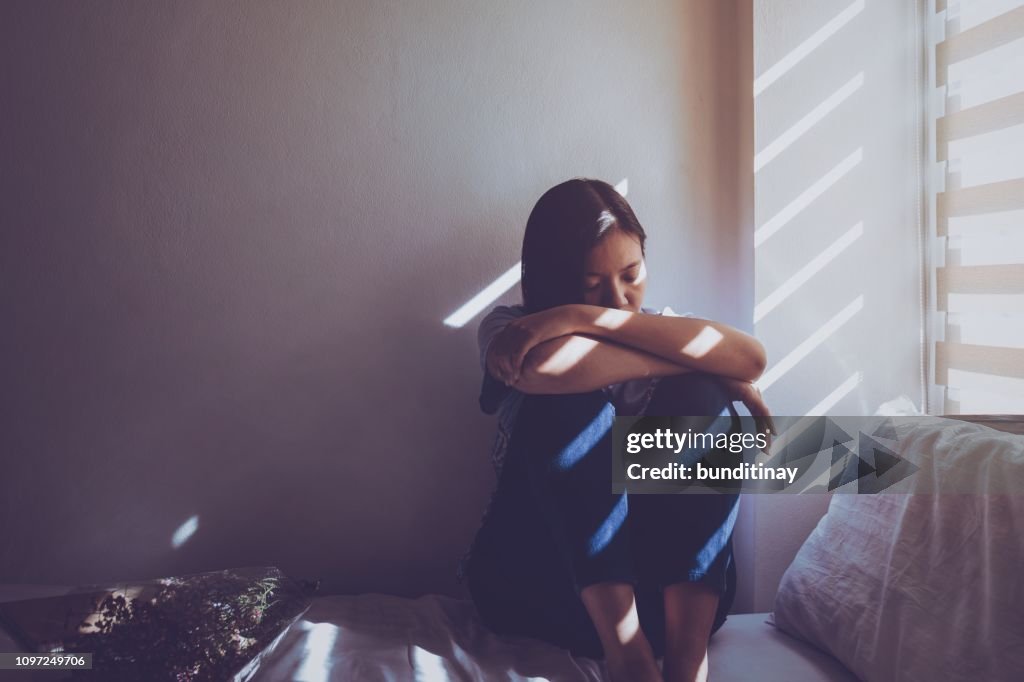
(975, 208)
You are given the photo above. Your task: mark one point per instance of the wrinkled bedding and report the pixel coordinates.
(377, 637)
(380, 637)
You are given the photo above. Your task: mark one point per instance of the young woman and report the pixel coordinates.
(558, 556)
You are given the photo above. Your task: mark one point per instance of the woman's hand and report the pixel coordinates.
(519, 337)
(748, 394)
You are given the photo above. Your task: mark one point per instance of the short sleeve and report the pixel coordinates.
(493, 392)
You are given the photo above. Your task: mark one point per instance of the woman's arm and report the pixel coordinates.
(575, 363)
(702, 345)
(692, 343)
(579, 364)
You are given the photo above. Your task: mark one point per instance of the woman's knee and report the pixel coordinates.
(562, 402)
(694, 394)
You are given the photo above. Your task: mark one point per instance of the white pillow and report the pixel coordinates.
(921, 586)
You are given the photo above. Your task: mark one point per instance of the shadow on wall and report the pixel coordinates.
(234, 240)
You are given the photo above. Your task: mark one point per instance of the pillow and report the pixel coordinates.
(922, 586)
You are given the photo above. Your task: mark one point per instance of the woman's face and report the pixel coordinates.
(614, 273)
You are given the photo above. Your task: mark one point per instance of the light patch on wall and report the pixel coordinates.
(316, 665)
(184, 532)
(820, 335)
(787, 288)
(471, 308)
(486, 297)
(829, 401)
(800, 52)
(793, 209)
(797, 130)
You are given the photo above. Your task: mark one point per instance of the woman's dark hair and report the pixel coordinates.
(564, 225)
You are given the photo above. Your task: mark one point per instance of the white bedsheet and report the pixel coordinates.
(383, 638)
(376, 637)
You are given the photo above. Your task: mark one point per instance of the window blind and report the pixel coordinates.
(975, 115)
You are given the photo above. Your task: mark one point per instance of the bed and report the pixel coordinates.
(375, 637)
(379, 637)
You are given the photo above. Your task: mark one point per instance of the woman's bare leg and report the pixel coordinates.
(628, 654)
(689, 616)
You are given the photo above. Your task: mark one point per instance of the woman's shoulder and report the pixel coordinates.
(494, 321)
(501, 314)
(515, 310)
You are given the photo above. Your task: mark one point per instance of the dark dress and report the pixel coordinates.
(554, 527)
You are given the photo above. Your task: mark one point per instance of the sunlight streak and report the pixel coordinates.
(612, 318)
(642, 274)
(184, 532)
(604, 220)
(781, 67)
(319, 643)
(820, 335)
(427, 665)
(780, 219)
(506, 281)
(701, 345)
(829, 401)
(585, 441)
(718, 541)
(610, 527)
(628, 628)
(566, 357)
(774, 299)
(783, 141)
(490, 293)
